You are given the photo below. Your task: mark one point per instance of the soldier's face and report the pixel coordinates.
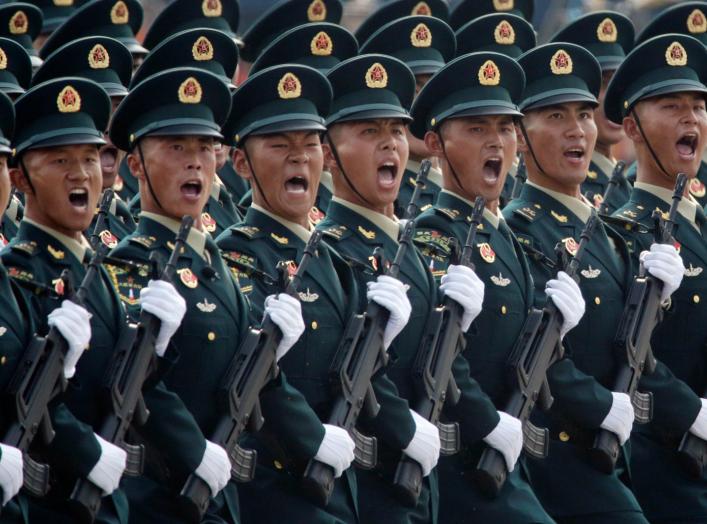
(287, 167)
(563, 139)
(222, 154)
(676, 128)
(181, 170)
(66, 185)
(5, 186)
(373, 154)
(111, 156)
(479, 149)
(608, 132)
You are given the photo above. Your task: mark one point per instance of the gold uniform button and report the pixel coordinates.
(314, 324)
(504, 310)
(3, 360)
(696, 299)
(564, 437)
(597, 300)
(211, 336)
(277, 464)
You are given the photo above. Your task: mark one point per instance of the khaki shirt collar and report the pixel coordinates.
(434, 175)
(492, 219)
(195, 240)
(13, 209)
(327, 180)
(216, 187)
(301, 232)
(687, 206)
(578, 206)
(77, 248)
(388, 225)
(605, 164)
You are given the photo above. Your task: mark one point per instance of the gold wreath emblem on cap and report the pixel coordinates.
(489, 74)
(68, 100)
(119, 14)
(696, 22)
(675, 54)
(3, 59)
(561, 63)
(321, 44)
(289, 86)
(503, 5)
(421, 36)
(421, 9)
(504, 34)
(202, 50)
(377, 76)
(63, 3)
(19, 23)
(190, 91)
(98, 57)
(606, 31)
(316, 12)
(211, 8)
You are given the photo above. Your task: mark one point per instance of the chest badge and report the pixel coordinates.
(315, 215)
(693, 271)
(108, 239)
(58, 286)
(188, 278)
(570, 245)
(487, 253)
(590, 272)
(500, 280)
(3, 240)
(58, 254)
(208, 222)
(697, 188)
(206, 306)
(598, 200)
(308, 296)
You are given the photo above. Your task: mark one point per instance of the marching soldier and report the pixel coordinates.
(609, 37)
(53, 15)
(557, 136)
(366, 151)
(476, 143)
(424, 44)
(659, 96)
(468, 10)
(22, 22)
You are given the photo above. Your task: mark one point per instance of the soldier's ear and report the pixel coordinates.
(522, 144)
(329, 160)
(631, 129)
(433, 144)
(240, 163)
(135, 164)
(19, 180)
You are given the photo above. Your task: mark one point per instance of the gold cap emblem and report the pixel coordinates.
(421, 36)
(504, 34)
(119, 13)
(3, 59)
(98, 57)
(202, 50)
(606, 31)
(63, 3)
(696, 22)
(19, 23)
(377, 76)
(68, 100)
(561, 63)
(503, 5)
(321, 44)
(211, 8)
(489, 75)
(316, 12)
(421, 9)
(190, 91)
(675, 54)
(289, 86)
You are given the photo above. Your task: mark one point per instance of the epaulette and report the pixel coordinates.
(336, 232)
(20, 274)
(143, 240)
(634, 213)
(28, 247)
(247, 231)
(620, 222)
(529, 212)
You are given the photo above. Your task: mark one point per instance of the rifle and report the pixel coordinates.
(616, 176)
(131, 366)
(442, 342)
(101, 217)
(252, 367)
(519, 179)
(537, 348)
(360, 355)
(641, 314)
(38, 379)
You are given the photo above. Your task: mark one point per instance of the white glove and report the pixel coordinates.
(620, 418)
(424, 446)
(390, 293)
(336, 449)
(463, 286)
(109, 469)
(699, 427)
(507, 437)
(162, 300)
(566, 295)
(215, 468)
(664, 263)
(10, 472)
(286, 312)
(73, 322)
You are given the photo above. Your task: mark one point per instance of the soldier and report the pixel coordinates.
(169, 123)
(658, 94)
(22, 23)
(476, 143)
(424, 44)
(510, 35)
(53, 15)
(468, 10)
(366, 151)
(275, 127)
(609, 37)
(214, 51)
(557, 136)
(108, 63)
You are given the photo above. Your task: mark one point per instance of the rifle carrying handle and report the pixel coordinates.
(318, 482)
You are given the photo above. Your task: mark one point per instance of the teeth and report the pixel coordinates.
(81, 191)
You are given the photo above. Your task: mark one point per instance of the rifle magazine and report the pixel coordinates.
(135, 462)
(642, 407)
(535, 440)
(366, 452)
(35, 477)
(243, 463)
(449, 438)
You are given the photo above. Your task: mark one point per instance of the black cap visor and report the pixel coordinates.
(564, 96)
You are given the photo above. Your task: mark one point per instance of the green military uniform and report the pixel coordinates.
(22, 22)
(697, 186)
(468, 10)
(679, 340)
(236, 186)
(390, 11)
(580, 382)
(10, 220)
(481, 371)
(594, 186)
